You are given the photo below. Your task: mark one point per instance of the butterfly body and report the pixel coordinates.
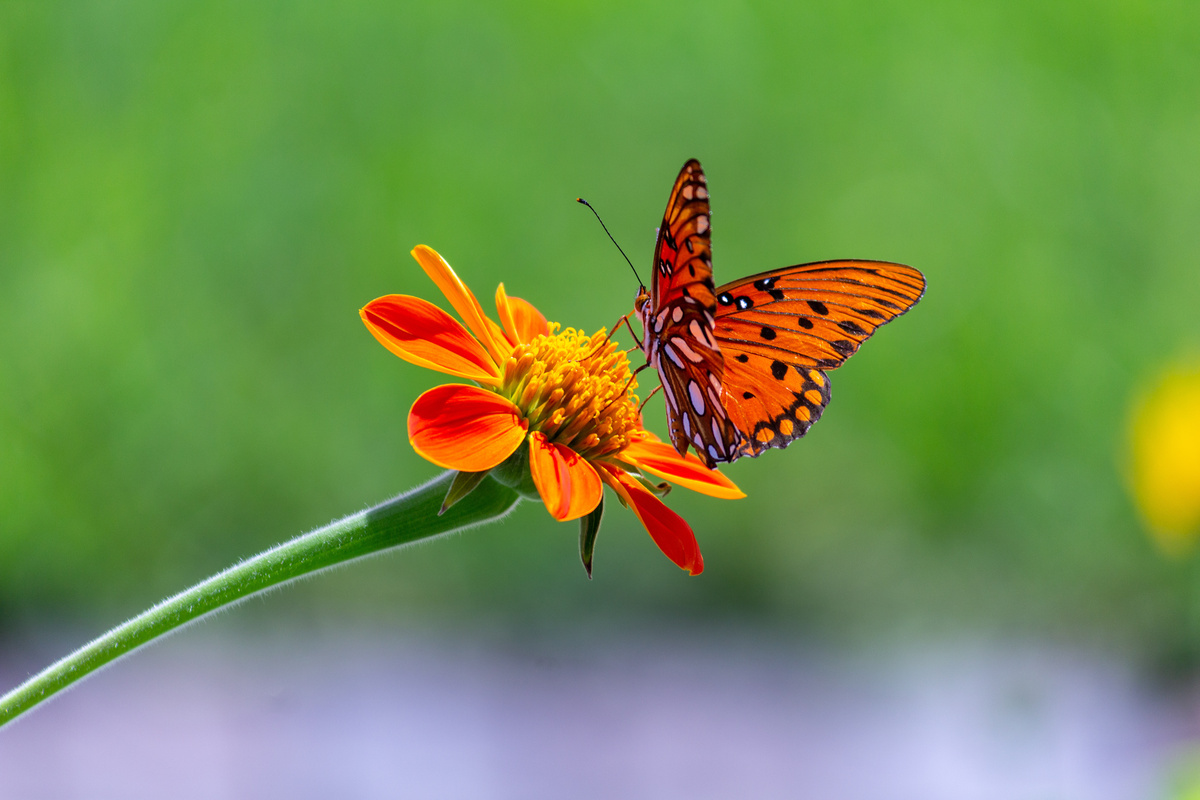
(742, 365)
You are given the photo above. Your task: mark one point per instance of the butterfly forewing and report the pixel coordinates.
(814, 315)
(779, 329)
(683, 252)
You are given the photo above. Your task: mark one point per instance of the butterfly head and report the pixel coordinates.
(643, 297)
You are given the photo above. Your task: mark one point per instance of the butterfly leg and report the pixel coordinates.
(625, 320)
(625, 388)
(653, 392)
(612, 331)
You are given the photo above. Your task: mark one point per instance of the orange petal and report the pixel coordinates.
(522, 322)
(463, 301)
(497, 331)
(421, 333)
(465, 427)
(669, 531)
(569, 486)
(688, 471)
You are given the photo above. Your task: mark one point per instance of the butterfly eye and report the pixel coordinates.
(640, 302)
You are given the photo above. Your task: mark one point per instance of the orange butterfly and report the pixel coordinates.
(741, 365)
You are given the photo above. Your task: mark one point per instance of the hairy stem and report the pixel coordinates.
(404, 519)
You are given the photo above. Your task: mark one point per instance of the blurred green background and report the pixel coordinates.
(197, 197)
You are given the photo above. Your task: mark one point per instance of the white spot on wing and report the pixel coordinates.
(712, 453)
(701, 223)
(670, 395)
(697, 330)
(717, 435)
(687, 425)
(696, 396)
(671, 354)
(676, 314)
(687, 350)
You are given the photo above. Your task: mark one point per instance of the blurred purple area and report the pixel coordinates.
(455, 715)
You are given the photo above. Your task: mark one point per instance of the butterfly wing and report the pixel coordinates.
(683, 252)
(779, 330)
(678, 321)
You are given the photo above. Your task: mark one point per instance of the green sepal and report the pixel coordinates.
(463, 484)
(589, 526)
(514, 473)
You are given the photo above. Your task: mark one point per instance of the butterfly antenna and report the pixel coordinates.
(614, 241)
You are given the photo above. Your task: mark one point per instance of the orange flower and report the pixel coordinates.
(550, 408)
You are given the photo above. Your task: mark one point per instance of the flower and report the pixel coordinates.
(549, 407)
(1165, 451)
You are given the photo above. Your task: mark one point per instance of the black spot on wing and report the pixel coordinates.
(779, 370)
(743, 303)
(805, 323)
(818, 306)
(776, 293)
(742, 357)
(748, 395)
(843, 347)
(801, 415)
(725, 299)
(851, 327)
(767, 333)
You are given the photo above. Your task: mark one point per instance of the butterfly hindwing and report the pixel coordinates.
(677, 322)
(772, 403)
(695, 414)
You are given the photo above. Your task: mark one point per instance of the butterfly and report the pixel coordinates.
(742, 366)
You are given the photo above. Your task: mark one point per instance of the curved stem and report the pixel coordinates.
(404, 519)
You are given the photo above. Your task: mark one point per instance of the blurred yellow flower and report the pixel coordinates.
(1166, 459)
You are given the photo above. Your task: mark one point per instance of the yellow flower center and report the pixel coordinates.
(577, 390)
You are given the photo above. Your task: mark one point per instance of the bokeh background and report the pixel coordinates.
(197, 197)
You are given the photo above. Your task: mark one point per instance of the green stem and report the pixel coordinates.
(404, 519)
